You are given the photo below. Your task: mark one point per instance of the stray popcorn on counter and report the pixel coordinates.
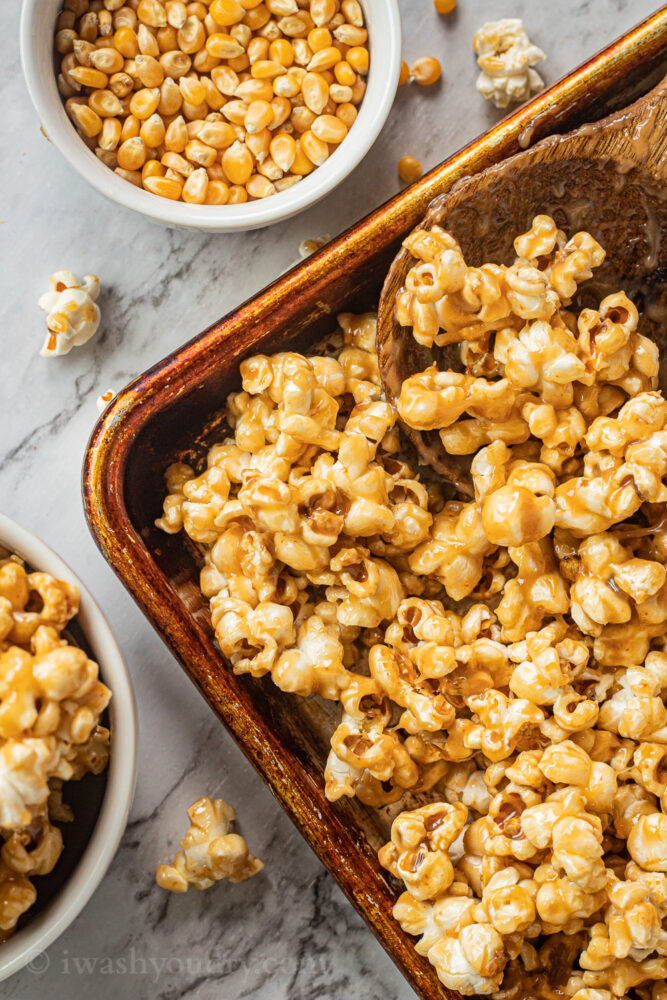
(104, 399)
(210, 851)
(506, 55)
(73, 316)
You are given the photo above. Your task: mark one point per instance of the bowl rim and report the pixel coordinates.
(28, 942)
(373, 112)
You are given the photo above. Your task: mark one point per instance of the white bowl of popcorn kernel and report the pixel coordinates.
(58, 738)
(221, 124)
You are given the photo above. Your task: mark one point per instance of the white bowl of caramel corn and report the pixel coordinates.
(220, 115)
(60, 667)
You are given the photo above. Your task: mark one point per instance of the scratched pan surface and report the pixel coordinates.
(172, 413)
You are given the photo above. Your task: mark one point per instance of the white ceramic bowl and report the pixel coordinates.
(39, 933)
(384, 35)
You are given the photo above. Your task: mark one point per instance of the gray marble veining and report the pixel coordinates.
(288, 933)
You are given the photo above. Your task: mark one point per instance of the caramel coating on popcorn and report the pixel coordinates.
(51, 700)
(500, 662)
(209, 851)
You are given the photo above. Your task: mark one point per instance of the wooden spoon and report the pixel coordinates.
(607, 178)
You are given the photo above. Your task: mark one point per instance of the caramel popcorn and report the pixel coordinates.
(210, 851)
(506, 57)
(500, 660)
(73, 315)
(51, 701)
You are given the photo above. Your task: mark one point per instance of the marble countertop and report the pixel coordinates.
(288, 933)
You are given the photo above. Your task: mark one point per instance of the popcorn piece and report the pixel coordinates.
(418, 850)
(72, 313)
(104, 399)
(24, 769)
(210, 852)
(506, 56)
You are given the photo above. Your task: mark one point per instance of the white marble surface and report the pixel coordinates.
(288, 933)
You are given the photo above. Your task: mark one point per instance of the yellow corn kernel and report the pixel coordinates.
(259, 187)
(144, 102)
(225, 79)
(217, 193)
(195, 187)
(87, 76)
(358, 90)
(107, 59)
(322, 11)
(110, 134)
(258, 48)
(192, 36)
(301, 165)
(302, 118)
(226, 12)
(339, 94)
(133, 176)
(125, 40)
(152, 131)
(444, 6)
(223, 46)
(152, 13)
(329, 128)
(130, 128)
(319, 38)
(199, 152)
(255, 90)
(404, 75)
(152, 168)
(64, 40)
(105, 103)
(237, 163)
(177, 164)
(176, 13)
(258, 116)
(296, 25)
(347, 113)
(425, 71)
(107, 156)
(121, 84)
(86, 119)
(88, 26)
(235, 112)
(409, 169)
(302, 52)
(326, 59)
(214, 99)
(347, 34)
(147, 42)
(345, 75)
(266, 69)
(315, 149)
(197, 9)
(175, 64)
(239, 64)
(257, 17)
(353, 13)
(258, 143)
(132, 154)
(286, 85)
(219, 135)
(315, 92)
(287, 182)
(237, 195)
(167, 39)
(358, 59)
(281, 109)
(283, 150)
(282, 51)
(149, 71)
(193, 90)
(194, 111)
(125, 18)
(171, 98)
(166, 187)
